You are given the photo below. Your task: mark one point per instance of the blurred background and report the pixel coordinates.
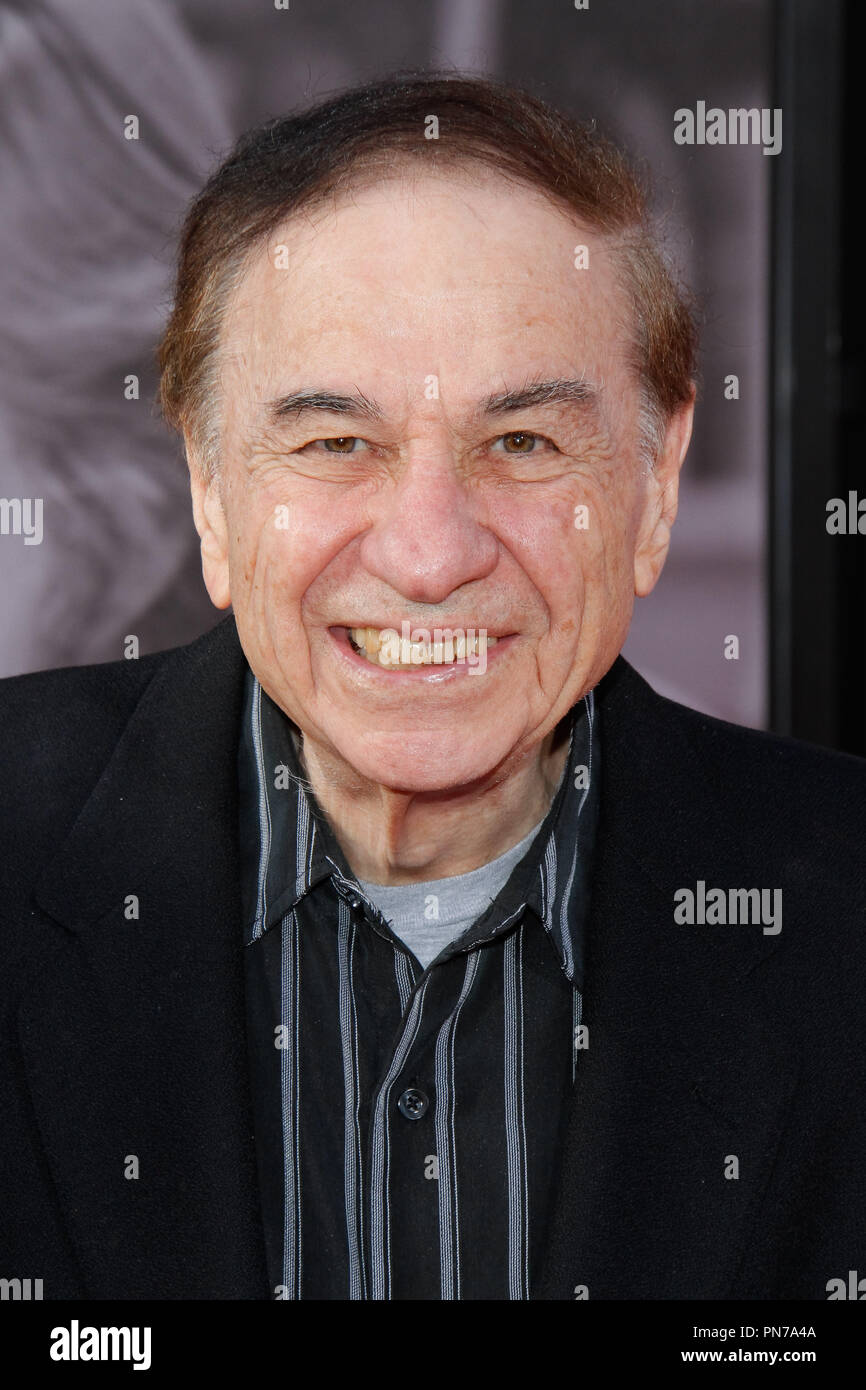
(88, 224)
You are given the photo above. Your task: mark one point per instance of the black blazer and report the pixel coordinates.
(125, 1037)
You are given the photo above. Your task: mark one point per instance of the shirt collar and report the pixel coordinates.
(288, 847)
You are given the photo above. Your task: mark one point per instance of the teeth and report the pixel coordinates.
(420, 654)
(368, 640)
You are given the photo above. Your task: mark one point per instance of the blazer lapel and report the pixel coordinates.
(688, 1073)
(133, 1035)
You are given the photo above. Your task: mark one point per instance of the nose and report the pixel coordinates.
(426, 541)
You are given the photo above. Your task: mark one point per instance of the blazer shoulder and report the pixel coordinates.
(797, 805)
(785, 761)
(767, 783)
(58, 730)
(60, 727)
(64, 703)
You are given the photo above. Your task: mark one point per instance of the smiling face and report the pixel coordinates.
(429, 418)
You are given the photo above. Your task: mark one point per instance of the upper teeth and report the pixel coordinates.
(385, 647)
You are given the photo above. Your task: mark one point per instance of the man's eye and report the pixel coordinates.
(520, 442)
(338, 444)
(343, 444)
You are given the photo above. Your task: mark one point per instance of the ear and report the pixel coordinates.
(210, 522)
(661, 499)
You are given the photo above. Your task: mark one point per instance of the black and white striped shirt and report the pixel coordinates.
(407, 1120)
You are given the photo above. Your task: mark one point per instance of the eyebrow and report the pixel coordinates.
(559, 391)
(297, 402)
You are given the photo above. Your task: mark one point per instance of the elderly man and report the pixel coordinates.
(395, 940)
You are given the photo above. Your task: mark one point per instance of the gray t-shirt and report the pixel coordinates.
(428, 916)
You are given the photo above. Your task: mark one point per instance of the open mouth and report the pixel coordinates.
(406, 651)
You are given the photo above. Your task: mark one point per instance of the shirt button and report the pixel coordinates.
(413, 1103)
(355, 902)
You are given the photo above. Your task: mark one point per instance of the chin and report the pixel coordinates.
(419, 765)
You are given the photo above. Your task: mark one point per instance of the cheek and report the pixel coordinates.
(572, 546)
(280, 542)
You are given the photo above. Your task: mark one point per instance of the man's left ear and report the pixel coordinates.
(660, 500)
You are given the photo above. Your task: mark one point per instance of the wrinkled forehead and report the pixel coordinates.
(426, 261)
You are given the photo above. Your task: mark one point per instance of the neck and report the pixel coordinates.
(395, 838)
